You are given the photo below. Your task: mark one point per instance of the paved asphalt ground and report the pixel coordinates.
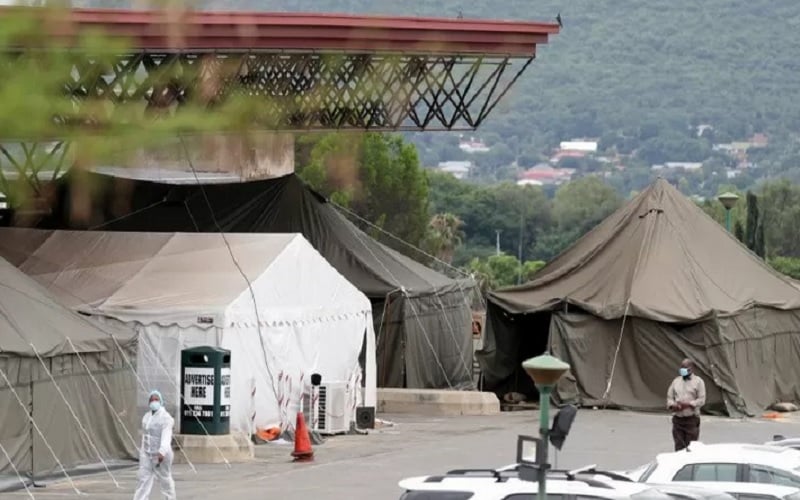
(369, 467)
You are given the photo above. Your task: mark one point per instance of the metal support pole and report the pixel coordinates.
(728, 219)
(30, 436)
(544, 433)
(519, 251)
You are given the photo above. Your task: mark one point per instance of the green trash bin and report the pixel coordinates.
(205, 391)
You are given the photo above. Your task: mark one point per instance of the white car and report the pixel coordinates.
(741, 463)
(506, 485)
(753, 491)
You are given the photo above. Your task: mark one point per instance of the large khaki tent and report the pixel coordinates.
(44, 348)
(271, 299)
(422, 318)
(655, 282)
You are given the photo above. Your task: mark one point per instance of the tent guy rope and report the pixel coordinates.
(648, 234)
(145, 389)
(16, 471)
(102, 392)
(182, 399)
(414, 310)
(130, 365)
(399, 239)
(39, 432)
(467, 302)
(235, 263)
(75, 417)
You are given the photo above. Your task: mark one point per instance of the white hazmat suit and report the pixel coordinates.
(156, 439)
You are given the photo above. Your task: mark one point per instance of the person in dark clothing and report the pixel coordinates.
(685, 397)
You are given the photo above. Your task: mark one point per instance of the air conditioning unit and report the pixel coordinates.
(334, 409)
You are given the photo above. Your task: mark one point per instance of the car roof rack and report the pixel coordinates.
(583, 475)
(571, 474)
(476, 473)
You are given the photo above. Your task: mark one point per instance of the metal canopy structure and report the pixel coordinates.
(302, 72)
(310, 71)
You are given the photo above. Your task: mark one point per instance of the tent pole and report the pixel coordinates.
(33, 462)
(30, 412)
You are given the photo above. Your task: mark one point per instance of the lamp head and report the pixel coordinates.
(545, 370)
(728, 200)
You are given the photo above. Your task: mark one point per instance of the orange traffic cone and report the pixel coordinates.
(302, 442)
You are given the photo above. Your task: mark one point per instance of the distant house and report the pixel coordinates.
(567, 154)
(738, 150)
(458, 169)
(545, 174)
(672, 165)
(579, 145)
(576, 148)
(473, 146)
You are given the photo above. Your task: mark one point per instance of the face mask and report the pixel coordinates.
(155, 405)
(684, 372)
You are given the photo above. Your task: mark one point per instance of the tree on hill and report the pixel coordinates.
(445, 235)
(377, 176)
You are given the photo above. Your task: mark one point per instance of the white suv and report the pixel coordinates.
(743, 463)
(506, 485)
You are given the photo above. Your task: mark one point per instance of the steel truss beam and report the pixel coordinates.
(311, 91)
(289, 91)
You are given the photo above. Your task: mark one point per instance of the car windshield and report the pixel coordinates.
(641, 473)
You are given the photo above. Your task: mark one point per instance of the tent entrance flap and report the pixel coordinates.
(510, 340)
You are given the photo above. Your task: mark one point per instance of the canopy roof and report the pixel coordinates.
(299, 31)
(282, 205)
(32, 321)
(179, 277)
(659, 257)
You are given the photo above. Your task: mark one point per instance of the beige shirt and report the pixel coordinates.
(691, 390)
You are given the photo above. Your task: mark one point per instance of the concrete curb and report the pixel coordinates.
(236, 448)
(434, 402)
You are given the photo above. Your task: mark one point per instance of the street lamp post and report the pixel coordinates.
(728, 200)
(545, 370)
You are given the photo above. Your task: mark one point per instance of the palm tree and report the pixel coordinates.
(445, 236)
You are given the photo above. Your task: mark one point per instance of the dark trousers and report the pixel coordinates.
(685, 430)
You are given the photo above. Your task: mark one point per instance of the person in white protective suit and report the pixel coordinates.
(155, 456)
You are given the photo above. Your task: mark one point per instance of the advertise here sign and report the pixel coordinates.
(198, 393)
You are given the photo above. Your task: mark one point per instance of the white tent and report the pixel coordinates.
(182, 290)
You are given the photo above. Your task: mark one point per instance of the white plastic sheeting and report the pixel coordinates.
(181, 290)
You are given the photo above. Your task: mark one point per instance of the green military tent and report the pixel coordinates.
(656, 282)
(423, 319)
(46, 350)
